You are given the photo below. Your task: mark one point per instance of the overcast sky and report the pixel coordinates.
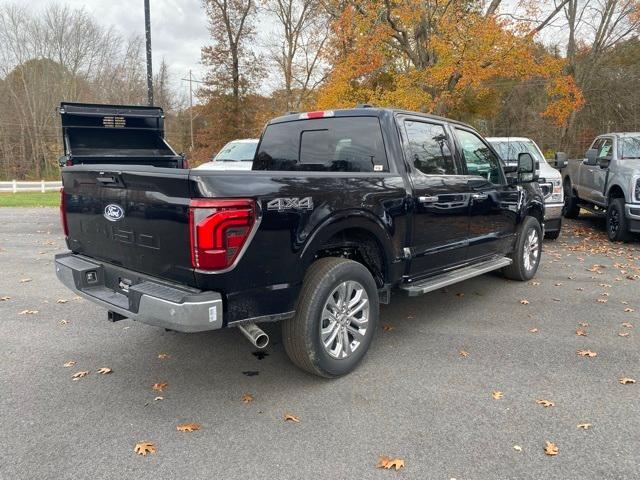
(178, 28)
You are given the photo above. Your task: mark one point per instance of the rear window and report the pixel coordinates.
(345, 144)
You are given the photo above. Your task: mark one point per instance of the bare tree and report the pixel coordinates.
(302, 31)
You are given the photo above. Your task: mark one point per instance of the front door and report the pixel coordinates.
(493, 204)
(593, 177)
(439, 234)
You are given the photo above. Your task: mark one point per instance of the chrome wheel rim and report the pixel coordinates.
(531, 250)
(345, 319)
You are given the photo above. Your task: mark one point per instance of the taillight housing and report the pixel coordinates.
(219, 228)
(63, 213)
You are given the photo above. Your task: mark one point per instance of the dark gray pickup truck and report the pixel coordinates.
(607, 182)
(340, 208)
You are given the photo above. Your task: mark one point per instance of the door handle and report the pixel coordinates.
(479, 196)
(428, 199)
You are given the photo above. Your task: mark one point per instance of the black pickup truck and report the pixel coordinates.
(340, 208)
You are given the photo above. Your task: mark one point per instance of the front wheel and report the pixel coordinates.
(526, 257)
(617, 224)
(571, 207)
(336, 318)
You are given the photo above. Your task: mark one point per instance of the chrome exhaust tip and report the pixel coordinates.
(255, 335)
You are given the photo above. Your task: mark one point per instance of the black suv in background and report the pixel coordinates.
(340, 207)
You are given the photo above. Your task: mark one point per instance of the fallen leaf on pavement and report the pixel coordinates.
(81, 374)
(463, 353)
(545, 403)
(550, 448)
(4, 299)
(28, 312)
(157, 399)
(289, 417)
(188, 427)
(517, 448)
(387, 328)
(584, 426)
(587, 353)
(629, 310)
(162, 356)
(63, 322)
(584, 324)
(533, 330)
(626, 325)
(105, 371)
(524, 302)
(388, 463)
(535, 284)
(61, 300)
(581, 333)
(25, 280)
(70, 363)
(247, 398)
(459, 295)
(497, 395)
(623, 334)
(160, 386)
(627, 381)
(142, 448)
(601, 300)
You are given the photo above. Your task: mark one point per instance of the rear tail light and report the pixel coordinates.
(63, 213)
(317, 114)
(219, 229)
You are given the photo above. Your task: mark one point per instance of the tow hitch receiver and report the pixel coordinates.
(115, 316)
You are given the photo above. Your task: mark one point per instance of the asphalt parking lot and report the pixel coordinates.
(416, 397)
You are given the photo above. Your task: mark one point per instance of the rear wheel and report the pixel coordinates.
(617, 224)
(526, 257)
(571, 208)
(335, 320)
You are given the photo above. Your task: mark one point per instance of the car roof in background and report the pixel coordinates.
(509, 139)
(245, 140)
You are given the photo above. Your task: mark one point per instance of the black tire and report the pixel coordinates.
(518, 269)
(552, 235)
(571, 207)
(617, 223)
(301, 334)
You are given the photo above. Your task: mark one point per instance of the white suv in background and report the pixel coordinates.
(235, 155)
(550, 179)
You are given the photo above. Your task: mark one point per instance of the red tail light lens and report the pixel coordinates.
(219, 229)
(63, 213)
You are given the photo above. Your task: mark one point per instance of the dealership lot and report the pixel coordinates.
(423, 393)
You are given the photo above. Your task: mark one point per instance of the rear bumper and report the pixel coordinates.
(146, 300)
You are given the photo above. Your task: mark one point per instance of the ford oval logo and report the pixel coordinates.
(113, 212)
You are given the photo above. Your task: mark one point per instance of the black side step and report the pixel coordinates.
(455, 276)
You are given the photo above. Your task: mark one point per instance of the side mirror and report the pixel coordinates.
(591, 156)
(604, 162)
(526, 168)
(561, 160)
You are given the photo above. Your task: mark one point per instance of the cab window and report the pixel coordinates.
(478, 157)
(429, 150)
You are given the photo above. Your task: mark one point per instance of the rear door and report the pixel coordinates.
(493, 205)
(440, 224)
(135, 217)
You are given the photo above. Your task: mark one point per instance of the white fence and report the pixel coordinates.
(15, 186)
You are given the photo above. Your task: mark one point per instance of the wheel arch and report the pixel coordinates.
(357, 235)
(615, 191)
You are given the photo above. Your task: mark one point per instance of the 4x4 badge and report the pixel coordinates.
(113, 212)
(281, 204)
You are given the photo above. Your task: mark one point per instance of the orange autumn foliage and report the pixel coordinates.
(430, 56)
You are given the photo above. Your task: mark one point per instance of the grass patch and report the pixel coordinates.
(30, 199)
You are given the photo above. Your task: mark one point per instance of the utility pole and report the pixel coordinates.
(191, 80)
(147, 28)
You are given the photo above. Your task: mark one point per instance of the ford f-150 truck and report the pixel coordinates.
(340, 208)
(607, 182)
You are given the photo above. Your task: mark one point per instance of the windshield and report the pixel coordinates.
(510, 150)
(629, 147)
(237, 152)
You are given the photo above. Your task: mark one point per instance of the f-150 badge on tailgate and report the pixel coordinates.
(113, 212)
(281, 204)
